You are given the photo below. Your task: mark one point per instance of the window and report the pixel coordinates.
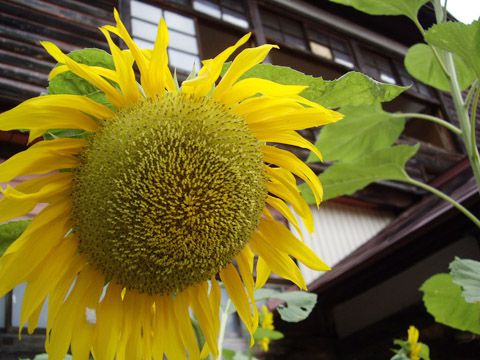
(183, 50)
(231, 11)
(331, 48)
(379, 67)
(283, 30)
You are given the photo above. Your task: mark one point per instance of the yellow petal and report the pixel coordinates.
(23, 198)
(280, 263)
(290, 162)
(181, 304)
(109, 322)
(263, 273)
(84, 331)
(282, 184)
(283, 209)
(260, 106)
(245, 265)
(137, 54)
(236, 292)
(85, 72)
(71, 317)
(290, 138)
(203, 311)
(295, 120)
(46, 276)
(249, 87)
(159, 76)
(41, 158)
(174, 348)
(209, 73)
(283, 240)
(45, 232)
(244, 61)
(123, 66)
(55, 112)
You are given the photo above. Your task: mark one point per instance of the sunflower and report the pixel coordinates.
(167, 195)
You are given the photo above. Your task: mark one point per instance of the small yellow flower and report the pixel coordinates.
(169, 189)
(415, 347)
(266, 323)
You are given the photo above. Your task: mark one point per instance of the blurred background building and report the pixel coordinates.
(382, 242)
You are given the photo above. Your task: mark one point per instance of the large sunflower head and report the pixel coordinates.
(166, 196)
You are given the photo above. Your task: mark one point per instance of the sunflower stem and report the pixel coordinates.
(447, 198)
(223, 326)
(431, 118)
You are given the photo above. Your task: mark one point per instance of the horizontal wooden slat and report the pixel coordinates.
(24, 64)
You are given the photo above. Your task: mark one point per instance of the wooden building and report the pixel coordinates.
(383, 242)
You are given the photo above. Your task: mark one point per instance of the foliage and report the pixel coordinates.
(466, 273)
(69, 83)
(422, 63)
(353, 88)
(298, 304)
(444, 301)
(386, 7)
(363, 130)
(10, 231)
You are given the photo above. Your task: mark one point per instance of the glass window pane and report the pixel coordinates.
(291, 27)
(2, 312)
(273, 34)
(344, 59)
(235, 18)
(318, 37)
(207, 7)
(295, 41)
(182, 61)
(179, 22)
(144, 30)
(17, 298)
(339, 45)
(387, 78)
(321, 50)
(233, 5)
(146, 12)
(269, 20)
(183, 42)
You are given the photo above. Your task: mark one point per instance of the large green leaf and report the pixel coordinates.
(353, 88)
(386, 7)
(466, 273)
(422, 64)
(460, 39)
(345, 178)
(299, 304)
(444, 301)
(10, 231)
(363, 130)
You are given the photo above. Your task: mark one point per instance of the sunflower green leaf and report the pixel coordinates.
(364, 130)
(345, 178)
(466, 273)
(298, 304)
(444, 301)
(353, 88)
(460, 39)
(408, 8)
(11, 231)
(422, 64)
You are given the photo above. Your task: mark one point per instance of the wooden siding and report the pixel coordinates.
(24, 64)
(339, 230)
